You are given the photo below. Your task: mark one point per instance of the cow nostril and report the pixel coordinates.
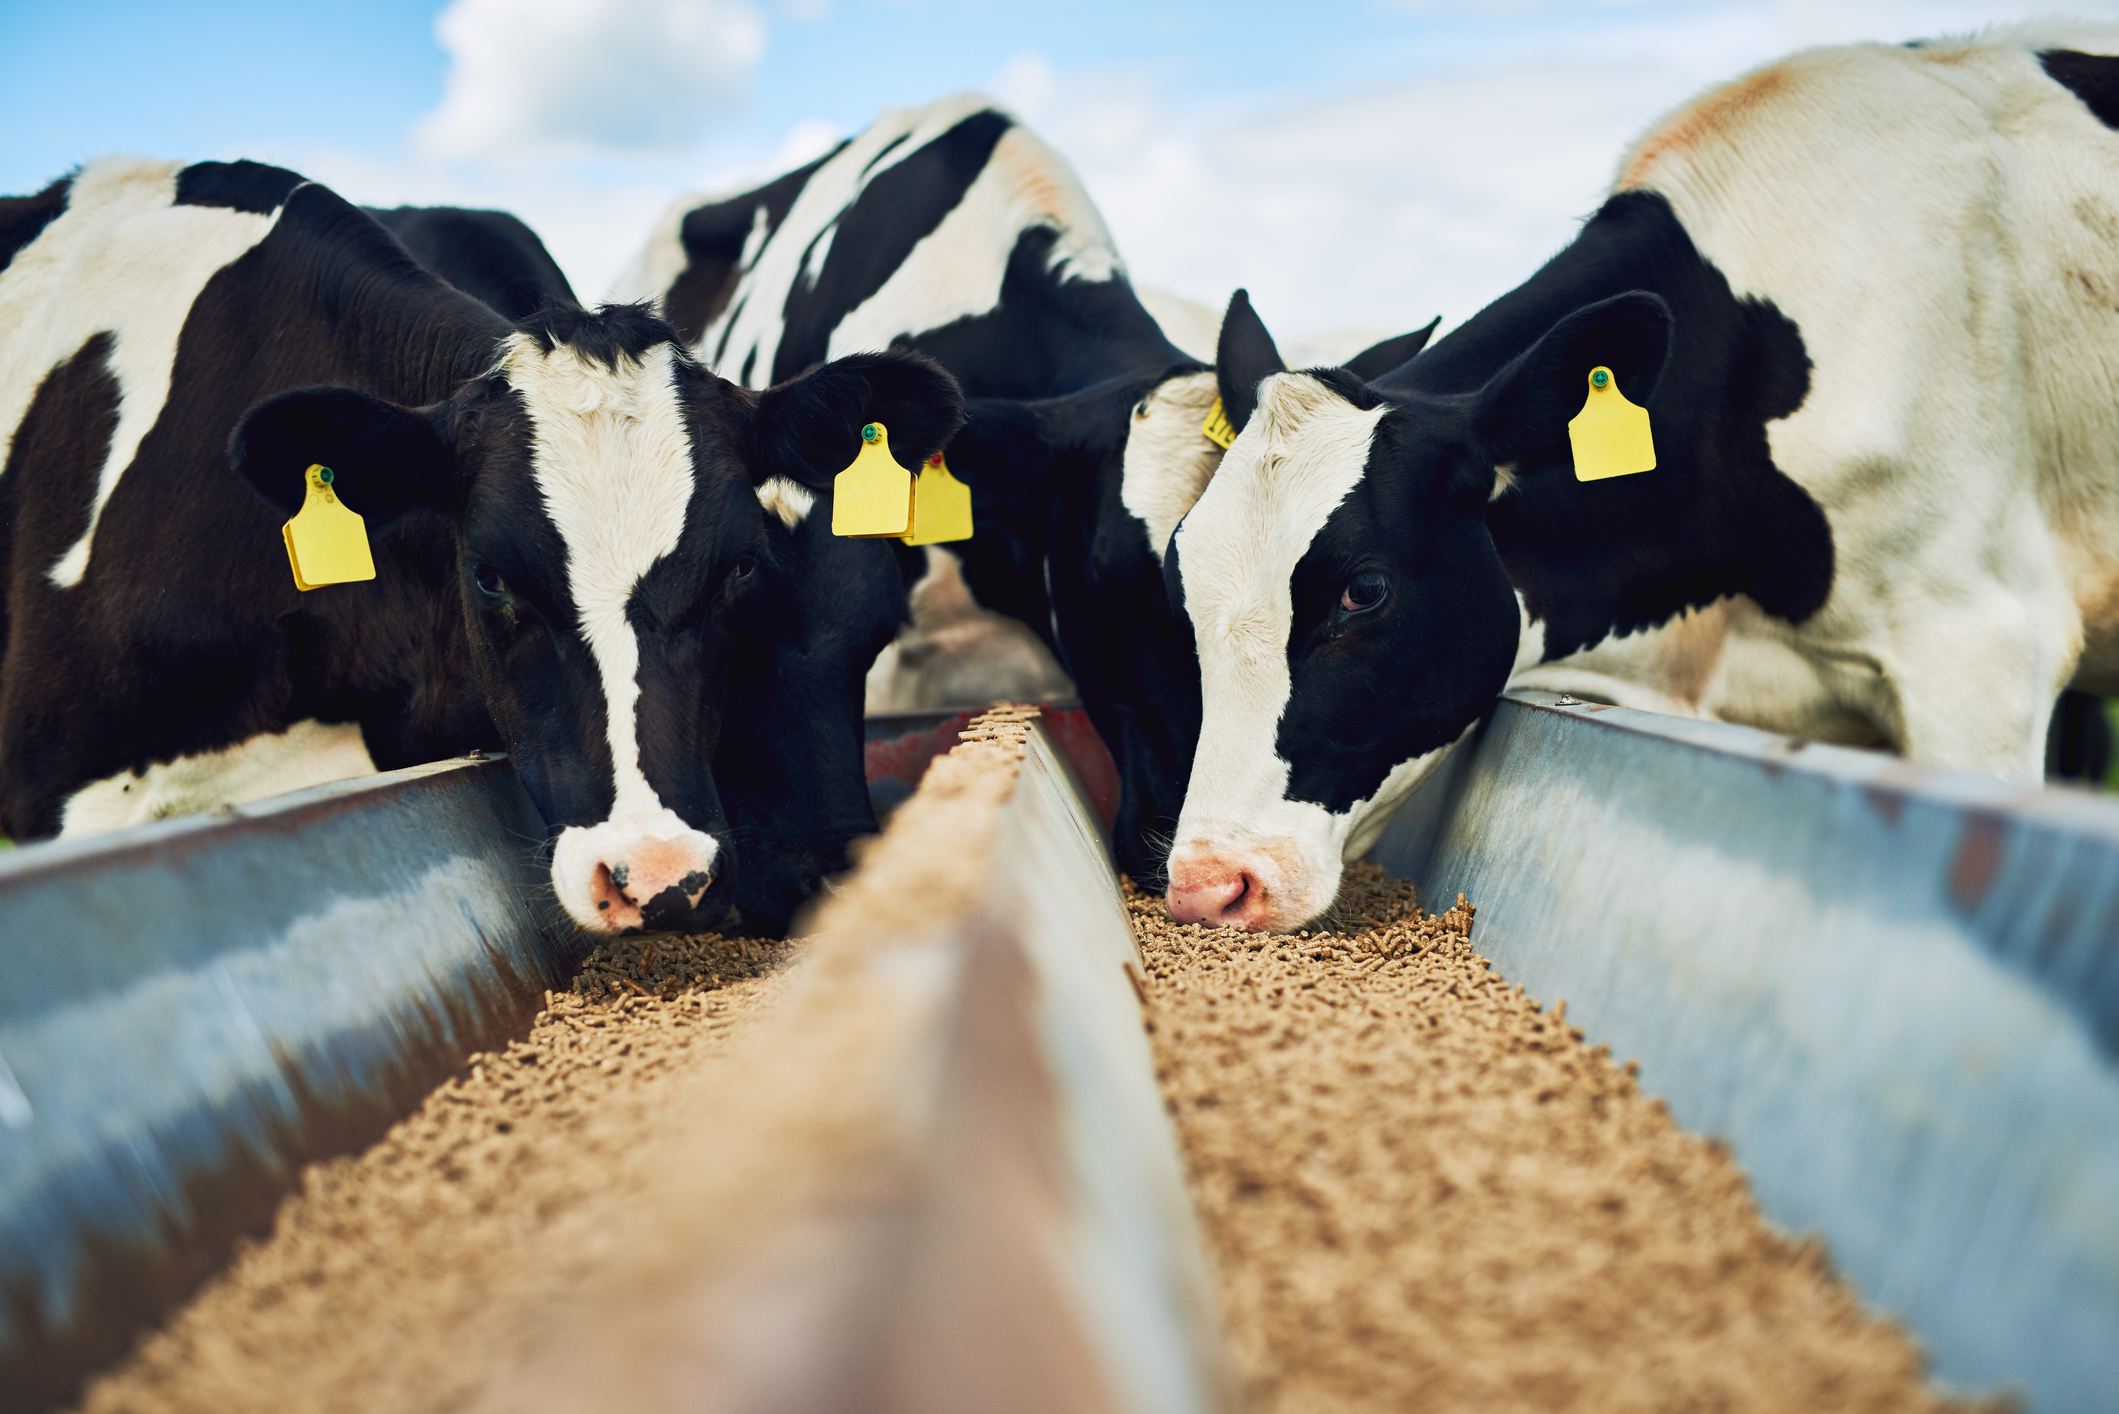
(619, 874)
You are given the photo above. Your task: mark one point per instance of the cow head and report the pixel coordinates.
(600, 487)
(790, 767)
(1352, 616)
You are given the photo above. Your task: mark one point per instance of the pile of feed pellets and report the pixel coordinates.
(1421, 1191)
(404, 1278)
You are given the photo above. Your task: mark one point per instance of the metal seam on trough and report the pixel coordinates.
(1893, 990)
(200, 1006)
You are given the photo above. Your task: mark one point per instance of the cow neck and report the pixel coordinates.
(1716, 517)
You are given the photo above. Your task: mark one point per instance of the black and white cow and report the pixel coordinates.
(562, 512)
(1867, 295)
(489, 255)
(955, 230)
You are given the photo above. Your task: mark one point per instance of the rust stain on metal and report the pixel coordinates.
(1977, 859)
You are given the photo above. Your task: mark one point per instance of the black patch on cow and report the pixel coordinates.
(2093, 78)
(613, 335)
(893, 213)
(489, 255)
(1244, 356)
(713, 237)
(239, 186)
(1715, 517)
(23, 218)
(1057, 549)
(1353, 711)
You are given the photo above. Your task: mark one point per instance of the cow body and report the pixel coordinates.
(1887, 479)
(953, 230)
(489, 255)
(561, 512)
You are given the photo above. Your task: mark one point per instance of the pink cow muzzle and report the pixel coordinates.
(617, 880)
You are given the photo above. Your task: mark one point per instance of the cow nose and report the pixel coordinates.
(653, 883)
(1220, 897)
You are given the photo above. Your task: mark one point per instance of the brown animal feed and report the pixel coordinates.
(1423, 1192)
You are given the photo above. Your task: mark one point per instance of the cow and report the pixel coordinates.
(489, 255)
(954, 230)
(562, 515)
(1866, 297)
(788, 767)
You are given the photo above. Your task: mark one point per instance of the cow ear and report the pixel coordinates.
(1243, 358)
(1524, 409)
(384, 459)
(1378, 359)
(808, 429)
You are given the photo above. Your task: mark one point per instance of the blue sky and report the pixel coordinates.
(1360, 165)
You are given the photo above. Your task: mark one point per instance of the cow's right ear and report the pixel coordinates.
(1243, 358)
(1524, 409)
(384, 459)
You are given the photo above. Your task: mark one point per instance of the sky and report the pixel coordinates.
(1360, 166)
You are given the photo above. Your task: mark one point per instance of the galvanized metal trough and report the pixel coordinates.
(1893, 991)
(196, 1008)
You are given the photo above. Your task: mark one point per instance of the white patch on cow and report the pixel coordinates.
(1302, 452)
(954, 272)
(613, 461)
(786, 498)
(306, 754)
(122, 259)
(1168, 460)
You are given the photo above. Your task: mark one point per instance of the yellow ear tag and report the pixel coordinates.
(941, 506)
(1217, 428)
(873, 497)
(1609, 435)
(326, 543)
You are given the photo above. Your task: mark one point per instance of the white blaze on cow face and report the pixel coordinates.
(1245, 853)
(130, 263)
(1168, 459)
(613, 459)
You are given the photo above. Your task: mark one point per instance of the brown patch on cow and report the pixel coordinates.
(1710, 116)
(1695, 651)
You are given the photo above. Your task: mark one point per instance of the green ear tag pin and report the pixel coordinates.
(1610, 436)
(326, 542)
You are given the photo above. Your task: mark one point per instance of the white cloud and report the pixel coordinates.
(538, 79)
(1360, 212)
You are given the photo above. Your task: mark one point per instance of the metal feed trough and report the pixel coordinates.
(1892, 991)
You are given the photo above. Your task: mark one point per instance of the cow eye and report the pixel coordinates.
(1364, 592)
(746, 567)
(489, 581)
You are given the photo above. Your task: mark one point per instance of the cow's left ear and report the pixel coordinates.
(808, 429)
(384, 459)
(1525, 408)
